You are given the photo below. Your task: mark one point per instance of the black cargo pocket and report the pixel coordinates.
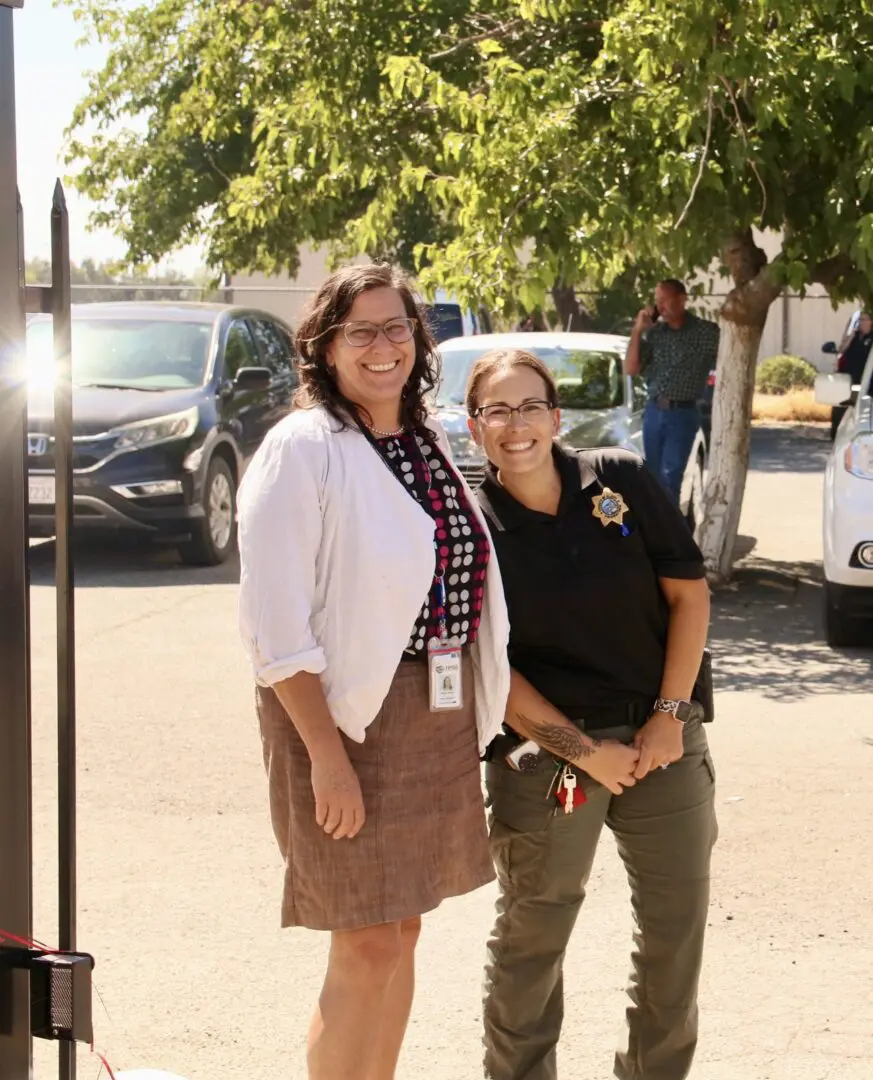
(523, 801)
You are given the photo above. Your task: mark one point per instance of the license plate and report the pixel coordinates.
(41, 490)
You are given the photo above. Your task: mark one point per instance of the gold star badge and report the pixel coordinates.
(609, 507)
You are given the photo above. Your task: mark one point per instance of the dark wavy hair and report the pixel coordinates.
(505, 360)
(331, 305)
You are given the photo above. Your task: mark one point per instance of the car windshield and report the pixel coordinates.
(587, 378)
(145, 354)
(446, 321)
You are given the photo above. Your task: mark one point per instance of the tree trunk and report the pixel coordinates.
(571, 315)
(742, 324)
(729, 446)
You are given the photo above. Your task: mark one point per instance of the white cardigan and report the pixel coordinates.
(337, 560)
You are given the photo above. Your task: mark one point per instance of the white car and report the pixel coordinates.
(848, 511)
(600, 406)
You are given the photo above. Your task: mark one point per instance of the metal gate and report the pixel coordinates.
(41, 992)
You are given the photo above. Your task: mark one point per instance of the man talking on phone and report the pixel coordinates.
(675, 352)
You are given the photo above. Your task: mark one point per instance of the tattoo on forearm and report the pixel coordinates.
(564, 742)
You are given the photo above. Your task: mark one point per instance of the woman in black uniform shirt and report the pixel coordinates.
(608, 611)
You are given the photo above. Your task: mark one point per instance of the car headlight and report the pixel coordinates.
(859, 457)
(162, 429)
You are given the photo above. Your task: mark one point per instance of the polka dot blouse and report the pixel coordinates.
(461, 546)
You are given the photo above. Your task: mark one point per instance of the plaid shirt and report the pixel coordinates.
(676, 363)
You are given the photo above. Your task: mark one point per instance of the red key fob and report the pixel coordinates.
(578, 795)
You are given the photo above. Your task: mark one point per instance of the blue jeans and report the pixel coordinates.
(668, 435)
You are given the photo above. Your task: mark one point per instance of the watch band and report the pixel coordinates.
(678, 709)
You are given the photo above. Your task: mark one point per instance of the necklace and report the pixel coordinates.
(387, 434)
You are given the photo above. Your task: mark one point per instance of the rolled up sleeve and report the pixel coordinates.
(280, 532)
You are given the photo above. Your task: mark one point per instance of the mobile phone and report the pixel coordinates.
(525, 757)
(655, 313)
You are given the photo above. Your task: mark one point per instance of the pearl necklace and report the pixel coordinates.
(388, 434)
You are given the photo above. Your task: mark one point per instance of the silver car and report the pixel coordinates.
(600, 406)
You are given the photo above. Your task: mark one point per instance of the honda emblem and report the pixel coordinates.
(37, 445)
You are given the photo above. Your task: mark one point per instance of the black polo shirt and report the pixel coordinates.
(588, 619)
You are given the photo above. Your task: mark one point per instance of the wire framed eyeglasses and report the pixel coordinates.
(499, 415)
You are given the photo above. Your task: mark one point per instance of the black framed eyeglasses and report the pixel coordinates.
(360, 334)
(500, 415)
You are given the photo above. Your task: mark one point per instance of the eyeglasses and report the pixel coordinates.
(500, 415)
(362, 334)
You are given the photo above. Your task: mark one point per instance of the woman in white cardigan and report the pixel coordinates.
(376, 626)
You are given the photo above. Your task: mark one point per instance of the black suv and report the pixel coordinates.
(170, 401)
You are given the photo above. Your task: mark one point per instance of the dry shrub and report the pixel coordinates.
(797, 405)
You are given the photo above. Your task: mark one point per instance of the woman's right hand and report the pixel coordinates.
(339, 804)
(612, 764)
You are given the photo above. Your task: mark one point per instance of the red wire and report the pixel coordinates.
(104, 1064)
(5, 935)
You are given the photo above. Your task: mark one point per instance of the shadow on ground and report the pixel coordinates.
(127, 563)
(767, 635)
(777, 448)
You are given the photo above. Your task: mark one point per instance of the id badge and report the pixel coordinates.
(444, 671)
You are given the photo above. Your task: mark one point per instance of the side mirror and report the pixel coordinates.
(252, 378)
(829, 347)
(833, 389)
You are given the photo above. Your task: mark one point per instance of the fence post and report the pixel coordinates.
(64, 590)
(15, 762)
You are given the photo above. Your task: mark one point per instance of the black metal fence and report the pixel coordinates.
(40, 992)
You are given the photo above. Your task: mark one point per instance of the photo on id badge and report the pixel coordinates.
(444, 668)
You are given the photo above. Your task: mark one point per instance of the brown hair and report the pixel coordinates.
(506, 359)
(330, 306)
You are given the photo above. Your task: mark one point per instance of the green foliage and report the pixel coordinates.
(498, 146)
(779, 374)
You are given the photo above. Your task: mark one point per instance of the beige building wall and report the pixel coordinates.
(281, 295)
(794, 325)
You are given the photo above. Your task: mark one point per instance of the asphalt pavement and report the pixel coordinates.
(180, 878)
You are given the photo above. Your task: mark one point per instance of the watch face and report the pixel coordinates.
(684, 711)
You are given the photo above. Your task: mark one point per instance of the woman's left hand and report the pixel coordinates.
(659, 742)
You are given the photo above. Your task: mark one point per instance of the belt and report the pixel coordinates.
(663, 402)
(633, 714)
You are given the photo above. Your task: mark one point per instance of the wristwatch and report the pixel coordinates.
(679, 710)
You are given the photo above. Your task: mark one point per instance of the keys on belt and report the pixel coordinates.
(568, 792)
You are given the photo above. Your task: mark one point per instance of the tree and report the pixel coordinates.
(506, 149)
(100, 275)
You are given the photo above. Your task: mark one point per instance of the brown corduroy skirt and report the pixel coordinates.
(425, 836)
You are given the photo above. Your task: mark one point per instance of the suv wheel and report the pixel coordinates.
(214, 535)
(840, 629)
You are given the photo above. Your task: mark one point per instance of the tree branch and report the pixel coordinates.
(703, 158)
(742, 128)
(743, 258)
(840, 273)
(831, 272)
(755, 288)
(496, 32)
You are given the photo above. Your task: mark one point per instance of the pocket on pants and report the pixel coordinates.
(710, 764)
(522, 801)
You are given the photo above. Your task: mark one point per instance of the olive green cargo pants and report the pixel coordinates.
(665, 828)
